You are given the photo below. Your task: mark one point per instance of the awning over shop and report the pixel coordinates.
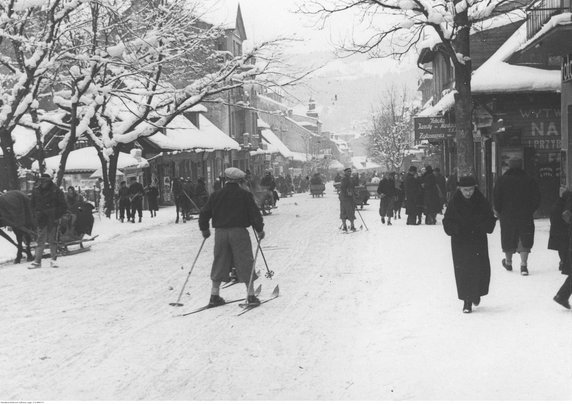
(274, 143)
(181, 135)
(86, 160)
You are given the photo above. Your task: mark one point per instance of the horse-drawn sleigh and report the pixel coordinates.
(16, 217)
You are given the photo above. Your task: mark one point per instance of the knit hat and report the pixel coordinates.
(233, 173)
(467, 181)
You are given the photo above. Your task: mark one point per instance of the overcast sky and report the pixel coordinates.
(269, 19)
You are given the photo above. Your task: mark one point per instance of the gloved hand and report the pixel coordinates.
(206, 233)
(260, 235)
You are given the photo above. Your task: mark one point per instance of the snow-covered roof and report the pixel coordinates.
(336, 165)
(297, 156)
(25, 138)
(495, 75)
(275, 143)
(445, 103)
(363, 163)
(181, 134)
(87, 160)
(281, 107)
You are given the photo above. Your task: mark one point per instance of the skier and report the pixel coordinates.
(467, 220)
(232, 210)
(49, 205)
(346, 196)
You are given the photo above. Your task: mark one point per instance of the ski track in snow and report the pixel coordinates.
(371, 315)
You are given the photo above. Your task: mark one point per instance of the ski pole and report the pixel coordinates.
(269, 273)
(253, 265)
(185, 284)
(362, 220)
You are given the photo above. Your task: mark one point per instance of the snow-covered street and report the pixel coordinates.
(371, 315)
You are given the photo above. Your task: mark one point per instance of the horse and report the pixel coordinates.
(182, 199)
(16, 213)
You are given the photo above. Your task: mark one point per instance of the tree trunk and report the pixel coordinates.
(11, 163)
(69, 145)
(463, 99)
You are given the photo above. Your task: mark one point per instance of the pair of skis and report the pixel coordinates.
(245, 306)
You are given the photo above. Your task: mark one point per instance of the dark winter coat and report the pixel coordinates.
(232, 206)
(516, 197)
(268, 181)
(442, 186)
(387, 193)
(559, 238)
(431, 199)
(152, 196)
(468, 221)
(48, 204)
(347, 188)
(136, 191)
(412, 194)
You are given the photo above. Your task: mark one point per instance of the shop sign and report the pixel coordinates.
(433, 128)
(567, 68)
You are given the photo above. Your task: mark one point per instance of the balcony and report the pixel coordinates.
(541, 12)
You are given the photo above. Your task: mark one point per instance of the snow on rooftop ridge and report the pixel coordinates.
(182, 135)
(87, 160)
(445, 103)
(275, 141)
(497, 75)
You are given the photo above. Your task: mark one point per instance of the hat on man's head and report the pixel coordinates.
(233, 173)
(349, 169)
(467, 181)
(46, 175)
(412, 168)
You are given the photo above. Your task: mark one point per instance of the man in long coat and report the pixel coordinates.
(412, 194)
(467, 220)
(516, 197)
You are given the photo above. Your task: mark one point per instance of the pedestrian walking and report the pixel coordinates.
(516, 197)
(468, 219)
(560, 240)
(412, 195)
(152, 193)
(347, 203)
(49, 205)
(136, 193)
(431, 200)
(387, 192)
(124, 204)
(232, 210)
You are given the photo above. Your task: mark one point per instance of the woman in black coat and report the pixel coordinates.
(467, 220)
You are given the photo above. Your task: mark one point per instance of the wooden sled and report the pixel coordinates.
(63, 248)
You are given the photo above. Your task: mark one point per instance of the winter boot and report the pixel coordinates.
(252, 300)
(53, 264)
(562, 302)
(216, 300)
(389, 221)
(477, 300)
(383, 220)
(467, 306)
(524, 270)
(35, 265)
(506, 265)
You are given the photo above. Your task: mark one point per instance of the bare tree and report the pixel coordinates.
(389, 136)
(396, 27)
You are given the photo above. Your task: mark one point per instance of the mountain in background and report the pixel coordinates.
(348, 90)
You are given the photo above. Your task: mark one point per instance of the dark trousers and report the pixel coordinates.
(136, 206)
(566, 288)
(124, 208)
